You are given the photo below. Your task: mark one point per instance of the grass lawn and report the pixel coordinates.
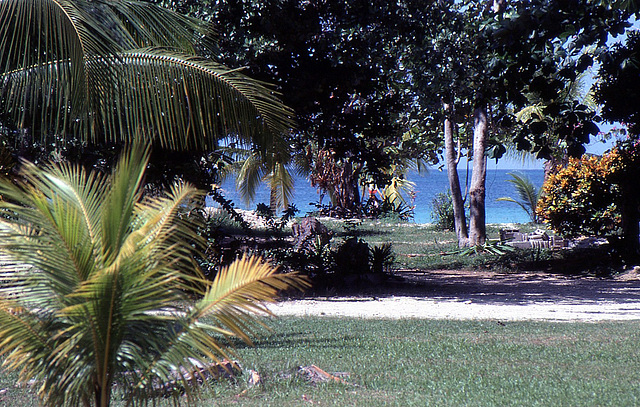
(440, 363)
(444, 363)
(423, 247)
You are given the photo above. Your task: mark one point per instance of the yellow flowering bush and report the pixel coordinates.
(581, 198)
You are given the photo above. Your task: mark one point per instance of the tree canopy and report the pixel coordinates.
(119, 71)
(340, 66)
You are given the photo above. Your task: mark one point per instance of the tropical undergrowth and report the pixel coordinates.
(361, 253)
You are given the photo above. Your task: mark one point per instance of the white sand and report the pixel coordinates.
(425, 308)
(485, 295)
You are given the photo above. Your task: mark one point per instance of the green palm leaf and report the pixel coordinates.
(191, 102)
(96, 286)
(110, 68)
(280, 182)
(254, 169)
(527, 192)
(250, 174)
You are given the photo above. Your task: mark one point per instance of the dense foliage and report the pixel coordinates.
(619, 89)
(341, 66)
(596, 195)
(580, 199)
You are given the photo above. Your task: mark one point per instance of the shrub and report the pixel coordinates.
(381, 258)
(581, 199)
(442, 211)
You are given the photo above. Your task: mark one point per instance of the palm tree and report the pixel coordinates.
(97, 287)
(104, 70)
(528, 195)
(254, 169)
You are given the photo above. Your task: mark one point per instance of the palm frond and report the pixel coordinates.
(240, 290)
(528, 112)
(27, 71)
(99, 67)
(229, 306)
(189, 102)
(118, 206)
(527, 192)
(280, 182)
(137, 24)
(95, 286)
(397, 189)
(198, 96)
(250, 175)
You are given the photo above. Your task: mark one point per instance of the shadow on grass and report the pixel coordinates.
(581, 276)
(290, 340)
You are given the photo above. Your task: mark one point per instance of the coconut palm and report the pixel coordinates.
(252, 169)
(105, 69)
(97, 286)
(528, 195)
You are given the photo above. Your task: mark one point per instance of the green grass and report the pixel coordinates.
(418, 246)
(444, 363)
(423, 247)
(440, 363)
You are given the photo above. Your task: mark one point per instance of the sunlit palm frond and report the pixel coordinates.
(528, 112)
(281, 184)
(58, 223)
(117, 211)
(528, 194)
(250, 175)
(228, 308)
(108, 69)
(240, 290)
(254, 169)
(397, 191)
(96, 284)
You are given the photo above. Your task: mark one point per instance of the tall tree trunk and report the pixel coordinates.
(349, 193)
(460, 219)
(477, 216)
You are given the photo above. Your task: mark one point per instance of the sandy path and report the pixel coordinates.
(465, 295)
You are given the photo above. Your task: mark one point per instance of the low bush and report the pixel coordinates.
(442, 211)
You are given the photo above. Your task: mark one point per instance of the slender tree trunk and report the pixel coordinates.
(349, 194)
(460, 219)
(477, 216)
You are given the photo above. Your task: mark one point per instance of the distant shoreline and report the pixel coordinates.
(427, 186)
(255, 221)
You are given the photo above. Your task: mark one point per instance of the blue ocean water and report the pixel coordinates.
(427, 186)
